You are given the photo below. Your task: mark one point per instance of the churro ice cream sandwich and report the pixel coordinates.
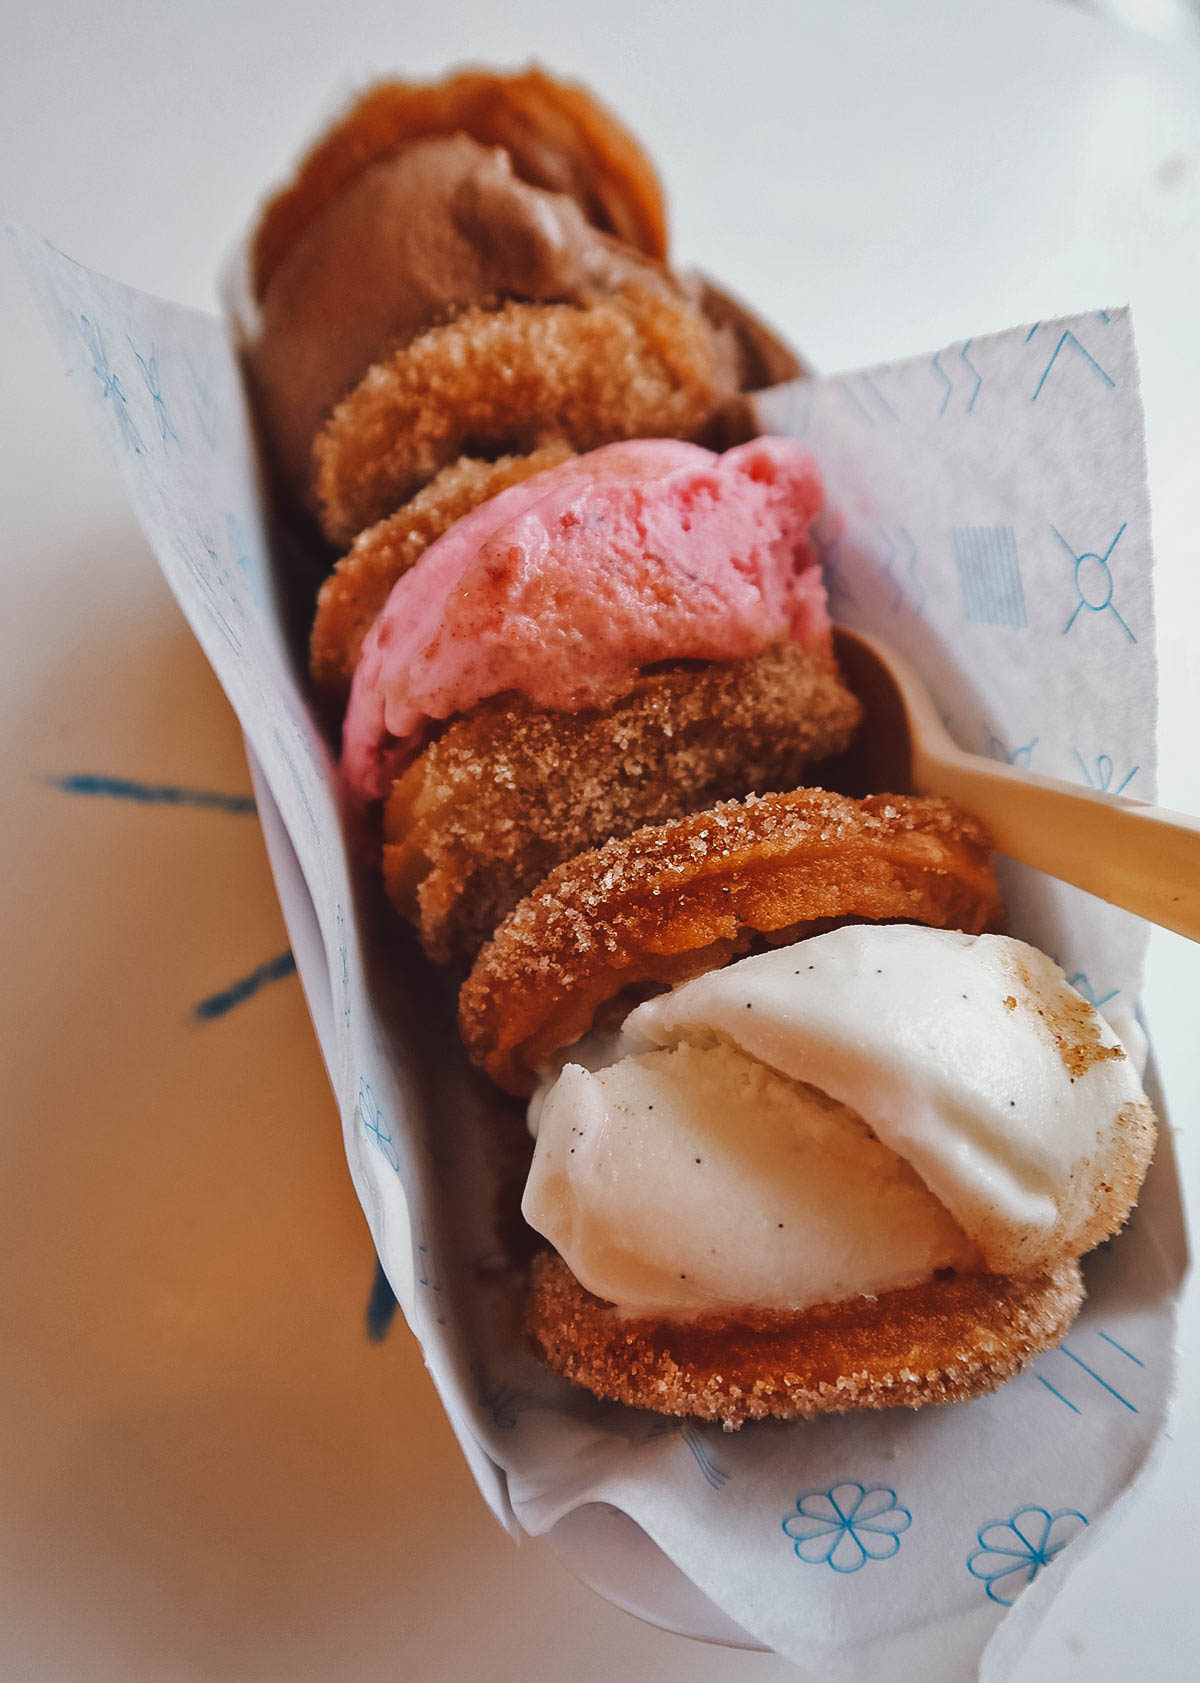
(626, 637)
(854, 1169)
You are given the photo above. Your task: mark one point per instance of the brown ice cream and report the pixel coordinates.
(558, 135)
(412, 240)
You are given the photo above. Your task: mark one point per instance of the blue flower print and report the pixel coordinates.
(847, 1526)
(1013, 1551)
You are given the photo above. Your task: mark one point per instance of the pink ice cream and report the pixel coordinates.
(565, 587)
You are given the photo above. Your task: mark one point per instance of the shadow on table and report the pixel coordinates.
(206, 1462)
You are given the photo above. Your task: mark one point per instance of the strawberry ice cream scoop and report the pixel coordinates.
(566, 586)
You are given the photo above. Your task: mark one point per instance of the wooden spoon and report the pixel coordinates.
(1126, 852)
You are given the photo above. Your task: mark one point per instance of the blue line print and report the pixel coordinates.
(1104, 773)
(691, 1435)
(212, 599)
(1102, 561)
(240, 546)
(204, 405)
(152, 794)
(858, 403)
(1103, 314)
(111, 389)
(150, 379)
(381, 1307)
(1014, 1550)
(1136, 1359)
(371, 1117)
(222, 573)
(1057, 1393)
(711, 1473)
(989, 575)
(344, 955)
(1080, 983)
(297, 780)
(1069, 338)
(919, 591)
(217, 1004)
(1032, 331)
(1071, 1356)
(426, 1271)
(878, 395)
(978, 376)
(942, 375)
(1018, 757)
(836, 587)
(886, 561)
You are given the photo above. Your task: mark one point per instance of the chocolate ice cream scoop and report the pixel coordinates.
(427, 201)
(558, 135)
(417, 237)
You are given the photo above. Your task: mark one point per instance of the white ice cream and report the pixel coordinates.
(835, 1118)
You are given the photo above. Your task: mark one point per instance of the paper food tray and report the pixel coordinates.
(993, 526)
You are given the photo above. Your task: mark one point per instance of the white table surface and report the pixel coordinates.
(206, 1471)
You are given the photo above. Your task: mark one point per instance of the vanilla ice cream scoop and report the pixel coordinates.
(694, 1180)
(841, 1117)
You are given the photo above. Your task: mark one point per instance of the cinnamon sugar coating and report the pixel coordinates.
(354, 593)
(944, 1341)
(640, 364)
(673, 900)
(511, 790)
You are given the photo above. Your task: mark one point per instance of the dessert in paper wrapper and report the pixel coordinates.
(986, 514)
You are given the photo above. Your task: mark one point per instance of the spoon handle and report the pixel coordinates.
(1132, 855)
